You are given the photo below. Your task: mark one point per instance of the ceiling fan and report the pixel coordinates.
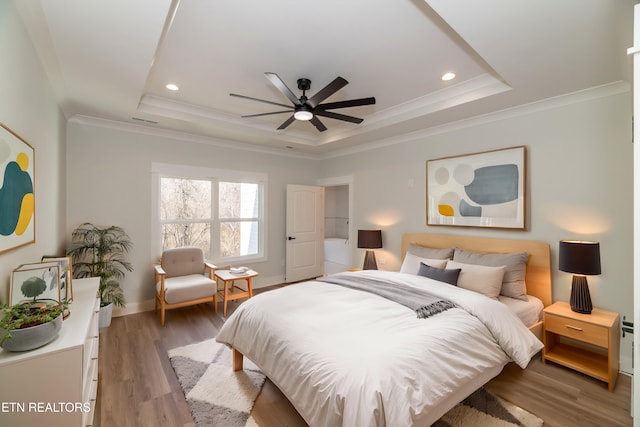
(310, 108)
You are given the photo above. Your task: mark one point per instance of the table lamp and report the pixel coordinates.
(369, 240)
(583, 259)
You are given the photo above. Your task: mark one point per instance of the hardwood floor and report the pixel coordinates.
(139, 388)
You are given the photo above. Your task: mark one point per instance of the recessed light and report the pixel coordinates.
(448, 76)
(172, 86)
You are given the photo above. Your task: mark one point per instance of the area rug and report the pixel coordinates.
(219, 397)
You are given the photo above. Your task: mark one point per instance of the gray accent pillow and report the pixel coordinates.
(440, 274)
(433, 253)
(513, 283)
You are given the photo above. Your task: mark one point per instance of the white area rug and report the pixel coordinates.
(219, 397)
(216, 395)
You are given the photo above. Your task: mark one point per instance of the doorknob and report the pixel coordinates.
(291, 238)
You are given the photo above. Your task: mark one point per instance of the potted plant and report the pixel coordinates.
(29, 325)
(101, 252)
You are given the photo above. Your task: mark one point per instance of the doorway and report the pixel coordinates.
(337, 226)
(337, 256)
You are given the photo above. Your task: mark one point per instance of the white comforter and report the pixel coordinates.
(349, 358)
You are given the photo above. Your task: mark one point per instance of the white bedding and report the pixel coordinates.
(349, 358)
(530, 312)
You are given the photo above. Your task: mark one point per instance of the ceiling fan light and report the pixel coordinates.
(303, 115)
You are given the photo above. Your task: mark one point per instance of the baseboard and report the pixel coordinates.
(149, 305)
(135, 307)
(263, 282)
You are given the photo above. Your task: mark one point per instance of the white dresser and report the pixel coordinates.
(56, 385)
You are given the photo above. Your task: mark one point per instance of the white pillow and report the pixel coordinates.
(479, 278)
(411, 263)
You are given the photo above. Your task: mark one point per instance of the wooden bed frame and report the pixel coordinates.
(538, 277)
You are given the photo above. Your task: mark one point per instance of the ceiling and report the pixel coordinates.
(111, 59)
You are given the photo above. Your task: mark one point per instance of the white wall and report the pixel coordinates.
(28, 107)
(579, 185)
(109, 183)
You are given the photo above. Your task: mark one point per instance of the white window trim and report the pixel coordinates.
(159, 170)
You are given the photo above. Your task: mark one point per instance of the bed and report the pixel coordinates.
(345, 357)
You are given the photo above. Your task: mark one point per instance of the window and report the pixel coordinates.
(224, 216)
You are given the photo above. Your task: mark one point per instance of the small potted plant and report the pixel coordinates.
(101, 252)
(29, 325)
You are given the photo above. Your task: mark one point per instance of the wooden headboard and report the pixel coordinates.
(538, 276)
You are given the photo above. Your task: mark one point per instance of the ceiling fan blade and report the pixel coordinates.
(337, 116)
(318, 124)
(279, 84)
(348, 103)
(267, 114)
(259, 100)
(287, 122)
(327, 91)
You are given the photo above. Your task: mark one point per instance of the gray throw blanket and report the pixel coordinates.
(424, 303)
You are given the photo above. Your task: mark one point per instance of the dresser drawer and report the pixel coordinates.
(576, 329)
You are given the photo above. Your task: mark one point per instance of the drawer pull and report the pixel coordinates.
(575, 328)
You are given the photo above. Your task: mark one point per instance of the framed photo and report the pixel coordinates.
(35, 282)
(66, 275)
(478, 190)
(17, 182)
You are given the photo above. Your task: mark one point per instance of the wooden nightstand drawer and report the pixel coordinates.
(576, 329)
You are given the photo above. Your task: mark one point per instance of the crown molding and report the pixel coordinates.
(185, 136)
(603, 91)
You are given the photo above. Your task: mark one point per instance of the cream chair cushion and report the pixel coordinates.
(186, 288)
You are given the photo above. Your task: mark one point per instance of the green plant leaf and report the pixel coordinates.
(101, 252)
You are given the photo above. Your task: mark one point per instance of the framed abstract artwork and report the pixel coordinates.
(478, 190)
(17, 195)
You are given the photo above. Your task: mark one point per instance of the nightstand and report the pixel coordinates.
(588, 343)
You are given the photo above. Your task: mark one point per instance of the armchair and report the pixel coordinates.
(181, 281)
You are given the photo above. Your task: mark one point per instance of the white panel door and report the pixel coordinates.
(635, 52)
(305, 232)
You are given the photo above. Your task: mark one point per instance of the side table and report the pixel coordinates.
(230, 290)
